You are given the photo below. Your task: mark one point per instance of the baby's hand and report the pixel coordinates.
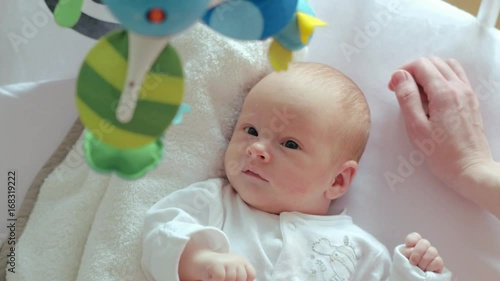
(224, 267)
(420, 253)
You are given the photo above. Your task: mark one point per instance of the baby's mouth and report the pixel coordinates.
(253, 174)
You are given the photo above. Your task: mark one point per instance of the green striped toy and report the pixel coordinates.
(99, 87)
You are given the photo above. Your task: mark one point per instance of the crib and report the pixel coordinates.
(76, 224)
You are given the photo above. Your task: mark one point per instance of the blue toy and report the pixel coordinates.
(109, 89)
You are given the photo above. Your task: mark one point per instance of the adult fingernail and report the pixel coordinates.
(398, 77)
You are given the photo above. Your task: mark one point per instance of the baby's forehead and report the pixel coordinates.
(298, 111)
(307, 86)
(312, 73)
(310, 99)
(319, 84)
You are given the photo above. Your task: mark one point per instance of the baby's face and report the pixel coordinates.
(280, 155)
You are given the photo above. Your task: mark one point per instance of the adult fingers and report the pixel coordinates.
(408, 95)
(425, 73)
(445, 70)
(458, 69)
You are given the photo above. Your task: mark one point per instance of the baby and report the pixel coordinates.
(295, 149)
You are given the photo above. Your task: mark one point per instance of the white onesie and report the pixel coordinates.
(290, 246)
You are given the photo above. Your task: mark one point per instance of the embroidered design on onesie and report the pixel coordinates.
(332, 262)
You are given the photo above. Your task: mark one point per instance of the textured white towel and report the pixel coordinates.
(87, 226)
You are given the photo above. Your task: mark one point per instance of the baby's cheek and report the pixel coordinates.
(239, 145)
(291, 176)
(296, 185)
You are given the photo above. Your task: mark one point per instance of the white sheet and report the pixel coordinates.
(467, 237)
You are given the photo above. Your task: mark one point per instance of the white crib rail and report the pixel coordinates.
(488, 12)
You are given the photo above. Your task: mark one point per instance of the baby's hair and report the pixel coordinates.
(356, 123)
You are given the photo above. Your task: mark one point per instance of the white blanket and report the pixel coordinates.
(86, 226)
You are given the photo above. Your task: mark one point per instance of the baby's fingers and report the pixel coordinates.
(436, 265)
(406, 252)
(245, 273)
(241, 273)
(250, 271)
(412, 239)
(427, 258)
(419, 251)
(231, 273)
(217, 273)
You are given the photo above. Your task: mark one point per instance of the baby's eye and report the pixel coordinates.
(291, 144)
(251, 131)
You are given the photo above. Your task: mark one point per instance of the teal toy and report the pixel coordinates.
(112, 91)
(250, 20)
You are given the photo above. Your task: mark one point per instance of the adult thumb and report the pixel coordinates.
(408, 95)
(399, 78)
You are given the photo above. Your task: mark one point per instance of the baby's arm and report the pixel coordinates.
(420, 253)
(191, 215)
(199, 263)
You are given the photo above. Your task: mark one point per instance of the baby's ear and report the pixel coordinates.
(343, 179)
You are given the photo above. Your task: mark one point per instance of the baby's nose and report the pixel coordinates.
(259, 151)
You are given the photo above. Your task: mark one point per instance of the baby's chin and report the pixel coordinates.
(267, 209)
(252, 201)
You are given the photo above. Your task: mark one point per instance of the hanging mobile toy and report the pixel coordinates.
(131, 84)
(67, 13)
(290, 22)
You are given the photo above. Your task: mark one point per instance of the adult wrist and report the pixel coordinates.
(481, 184)
(486, 173)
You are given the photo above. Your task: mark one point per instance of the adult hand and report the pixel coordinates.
(451, 133)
